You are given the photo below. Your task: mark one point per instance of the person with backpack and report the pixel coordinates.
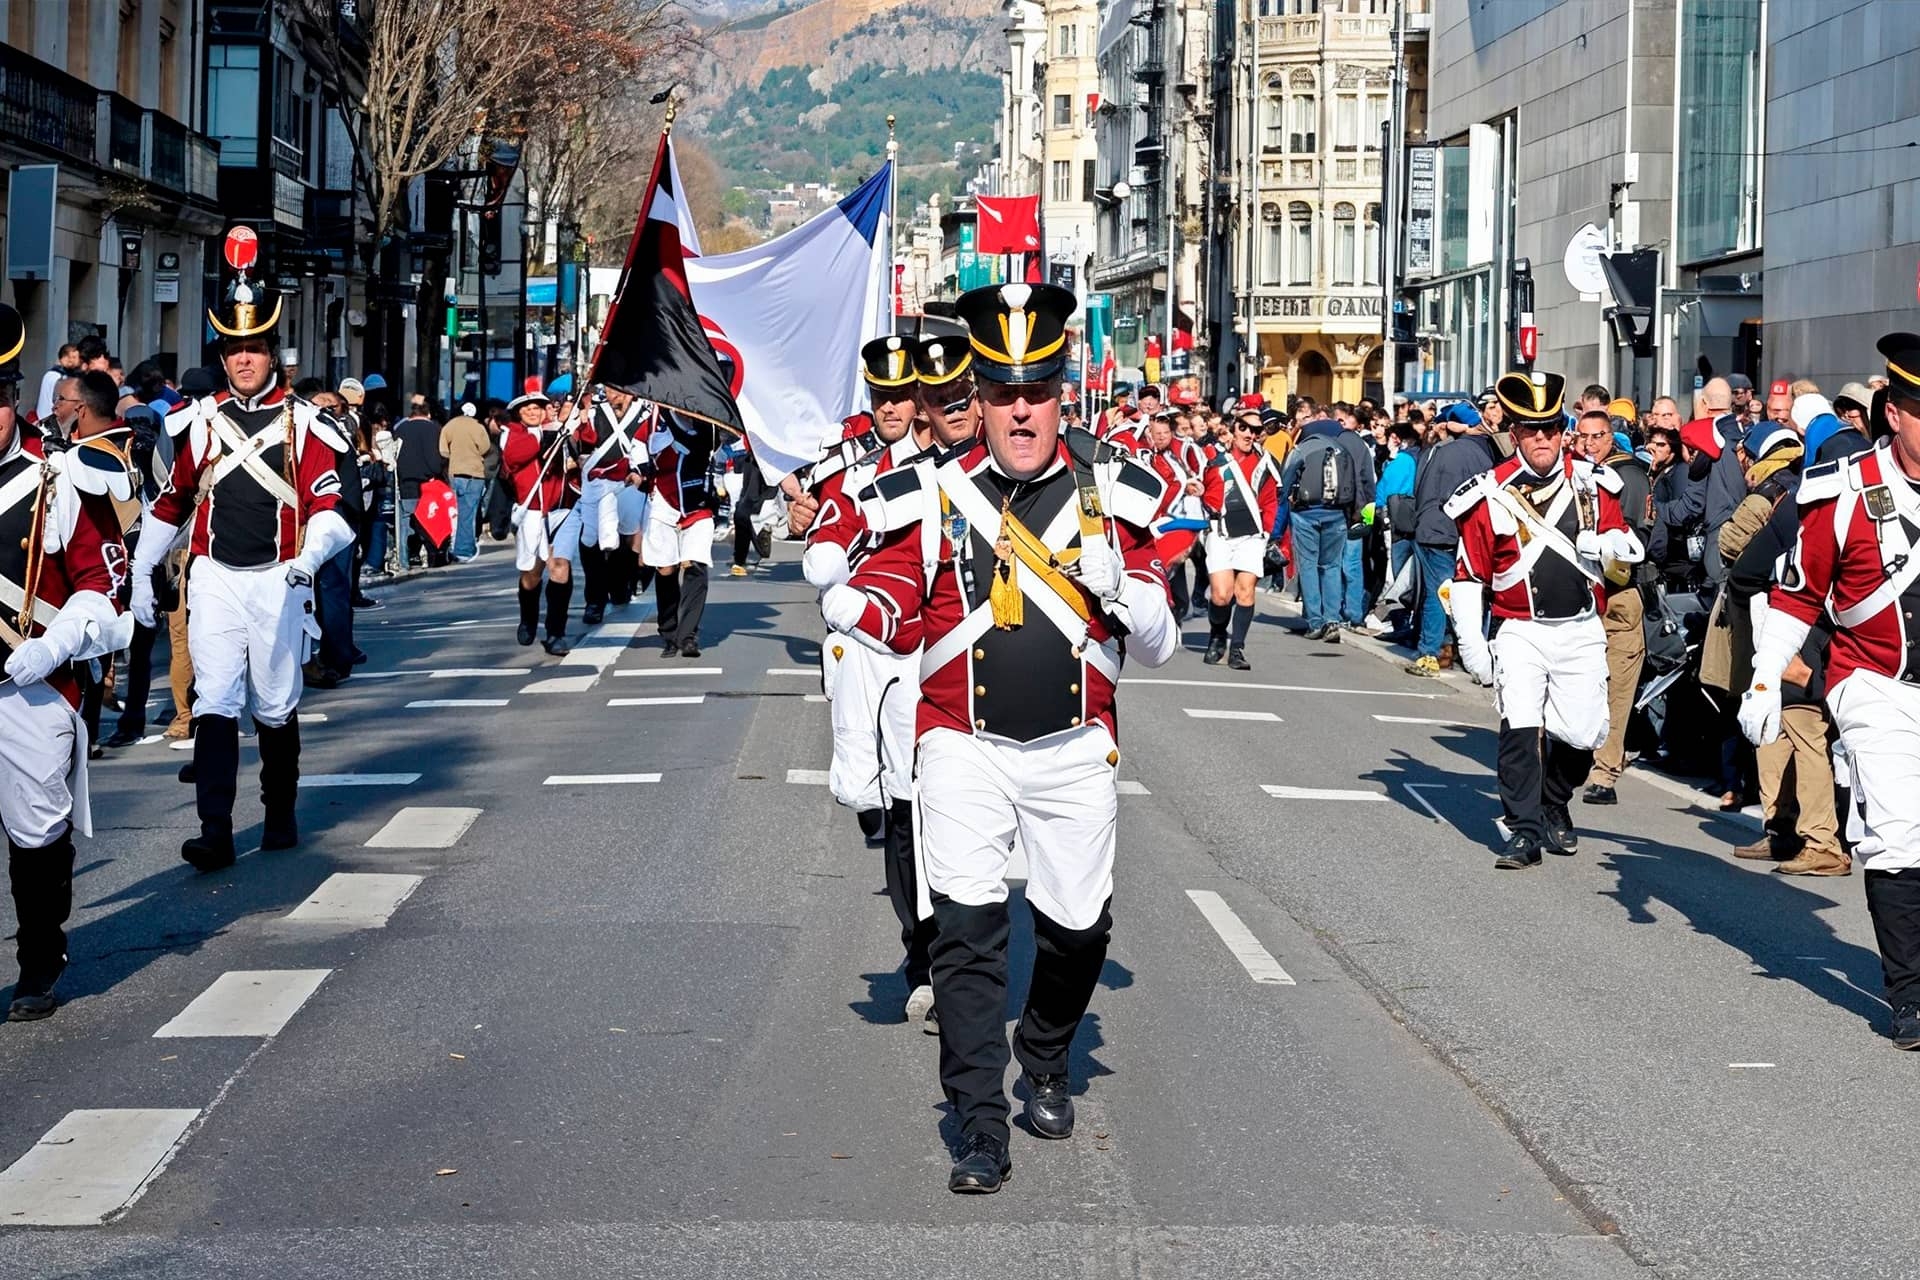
(1319, 492)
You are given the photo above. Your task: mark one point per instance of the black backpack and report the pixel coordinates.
(1326, 476)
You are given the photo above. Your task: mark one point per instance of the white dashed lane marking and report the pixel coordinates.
(363, 900)
(793, 671)
(359, 779)
(246, 1002)
(563, 684)
(1415, 720)
(424, 827)
(686, 700)
(1322, 793)
(428, 703)
(807, 777)
(1204, 713)
(1237, 685)
(1127, 788)
(89, 1166)
(465, 673)
(598, 779)
(1254, 958)
(671, 671)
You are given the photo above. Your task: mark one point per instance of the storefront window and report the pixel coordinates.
(1720, 124)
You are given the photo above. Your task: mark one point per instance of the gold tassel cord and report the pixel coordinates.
(1009, 605)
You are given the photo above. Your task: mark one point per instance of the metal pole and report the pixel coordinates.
(520, 334)
(1250, 201)
(893, 220)
(1393, 147)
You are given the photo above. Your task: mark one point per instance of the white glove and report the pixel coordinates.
(1589, 544)
(32, 662)
(1100, 569)
(843, 605)
(298, 575)
(1466, 601)
(143, 605)
(1476, 657)
(1760, 714)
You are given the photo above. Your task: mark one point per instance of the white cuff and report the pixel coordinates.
(1466, 601)
(1777, 645)
(88, 627)
(156, 539)
(327, 535)
(1622, 547)
(1152, 634)
(824, 564)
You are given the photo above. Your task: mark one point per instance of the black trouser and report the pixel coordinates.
(682, 599)
(593, 572)
(216, 774)
(903, 891)
(1893, 900)
(970, 991)
(139, 682)
(753, 495)
(42, 884)
(280, 773)
(1537, 772)
(1182, 597)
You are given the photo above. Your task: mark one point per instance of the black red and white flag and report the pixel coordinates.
(653, 344)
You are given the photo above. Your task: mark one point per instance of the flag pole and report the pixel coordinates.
(893, 221)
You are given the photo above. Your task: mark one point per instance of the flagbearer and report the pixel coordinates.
(536, 455)
(1027, 598)
(267, 483)
(1538, 535)
(62, 565)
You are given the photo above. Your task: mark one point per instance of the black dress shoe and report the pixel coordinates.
(556, 645)
(33, 998)
(1597, 794)
(279, 835)
(524, 635)
(1906, 1027)
(321, 678)
(690, 649)
(1237, 659)
(208, 853)
(591, 615)
(186, 773)
(1560, 835)
(1522, 851)
(1216, 652)
(669, 648)
(364, 601)
(983, 1165)
(125, 736)
(360, 658)
(1049, 1105)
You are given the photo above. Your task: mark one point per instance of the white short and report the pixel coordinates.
(247, 628)
(609, 511)
(1879, 724)
(1242, 555)
(1553, 674)
(43, 766)
(974, 794)
(630, 506)
(875, 699)
(665, 544)
(545, 536)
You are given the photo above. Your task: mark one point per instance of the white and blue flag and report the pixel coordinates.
(792, 314)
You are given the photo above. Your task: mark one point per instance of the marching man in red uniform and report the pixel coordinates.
(611, 507)
(535, 454)
(1242, 498)
(1027, 598)
(1856, 569)
(62, 565)
(263, 477)
(1537, 534)
(677, 534)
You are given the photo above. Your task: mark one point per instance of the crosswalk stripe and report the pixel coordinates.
(793, 671)
(671, 671)
(1321, 793)
(597, 779)
(563, 684)
(1413, 720)
(90, 1165)
(1206, 713)
(464, 673)
(686, 700)
(1128, 788)
(1254, 958)
(426, 703)
(246, 1002)
(424, 827)
(313, 717)
(807, 777)
(813, 697)
(362, 899)
(359, 779)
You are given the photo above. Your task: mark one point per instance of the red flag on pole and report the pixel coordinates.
(1007, 224)
(434, 513)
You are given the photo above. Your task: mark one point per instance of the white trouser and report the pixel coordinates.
(599, 509)
(630, 507)
(855, 776)
(247, 627)
(974, 793)
(667, 544)
(1242, 555)
(1879, 723)
(1553, 674)
(550, 535)
(43, 766)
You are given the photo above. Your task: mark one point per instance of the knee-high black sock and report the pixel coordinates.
(1242, 619)
(593, 568)
(42, 881)
(1066, 968)
(620, 566)
(666, 587)
(1521, 769)
(1218, 615)
(970, 990)
(530, 606)
(216, 773)
(559, 596)
(280, 775)
(693, 602)
(1893, 902)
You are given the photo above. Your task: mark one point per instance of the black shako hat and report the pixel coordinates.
(887, 363)
(941, 359)
(1019, 331)
(1902, 352)
(1532, 397)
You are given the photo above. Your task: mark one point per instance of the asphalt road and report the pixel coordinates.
(491, 1020)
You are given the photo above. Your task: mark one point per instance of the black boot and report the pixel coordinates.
(970, 990)
(1066, 968)
(693, 604)
(593, 572)
(903, 891)
(216, 776)
(529, 615)
(280, 782)
(622, 566)
(1562, 769)
(1520, 769)
(42, 882)
(559, 596)
(666, 589)
(1893, 900)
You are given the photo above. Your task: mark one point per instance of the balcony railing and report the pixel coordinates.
(169, 152)
(124, 130)
(203, 167)
(46, 106)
